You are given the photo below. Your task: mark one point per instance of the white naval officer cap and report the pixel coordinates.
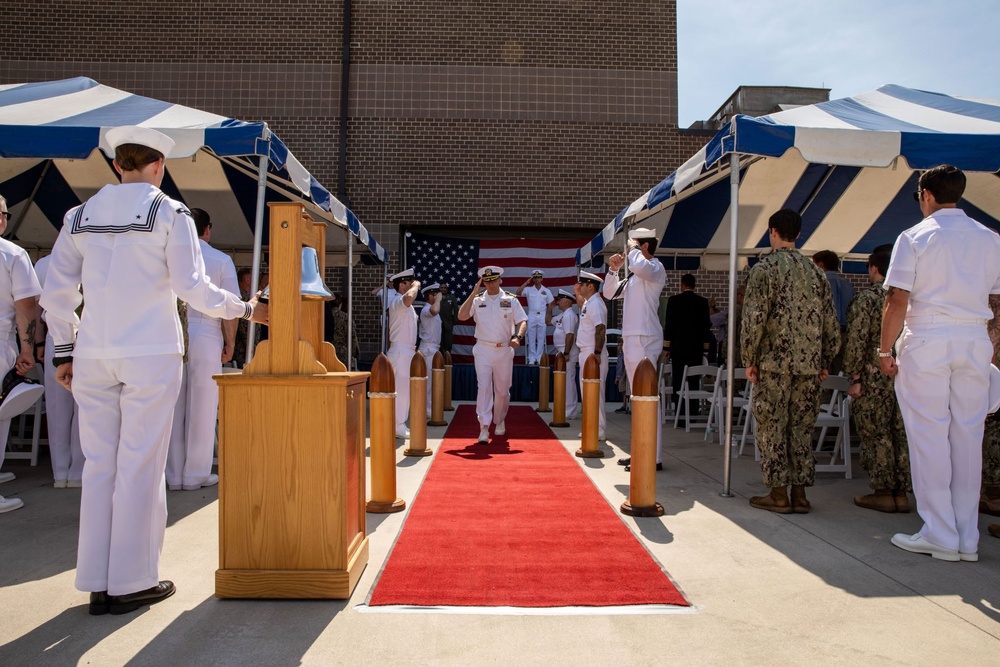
(144, 136)
(408, 273)
(563, 294)
(640, 233)
(433, 287)
(586, 276)
(537, 273)
(17, 394)
(490, 273)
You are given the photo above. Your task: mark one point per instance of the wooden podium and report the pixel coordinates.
(292, 446)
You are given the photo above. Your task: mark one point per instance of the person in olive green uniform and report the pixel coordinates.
(789, 337)
(876, 413)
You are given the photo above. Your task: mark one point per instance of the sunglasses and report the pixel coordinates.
(918, 194)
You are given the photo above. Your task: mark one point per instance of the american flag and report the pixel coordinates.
(455, 261)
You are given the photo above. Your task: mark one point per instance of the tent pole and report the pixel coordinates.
(258, 234)
(734, 219)
(350, 294)
(385, 303)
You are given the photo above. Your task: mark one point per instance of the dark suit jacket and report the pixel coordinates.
(688, 324)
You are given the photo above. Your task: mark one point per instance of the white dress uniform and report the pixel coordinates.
(192, 436)
(17, 281)
(642, 333)
(497, 318)
(430, 342)
(60, 411)
(593, 314)
(538, 301)
(948, 263)
(402, 345)
(135, 252)
(565, 323)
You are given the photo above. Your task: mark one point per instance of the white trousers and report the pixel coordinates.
(572, 386)
(634, 350)
(401, 356)
(8, 355)
(942, 387)
(64, 427)
(585, 353)
(494, 372)
(192, 436)
(536, 337)
(429, 351)
(125, 408)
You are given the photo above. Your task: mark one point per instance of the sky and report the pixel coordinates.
(849, 46)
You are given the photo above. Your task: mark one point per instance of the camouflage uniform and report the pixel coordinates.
(790, 332)
(339, 337)
(884, 453)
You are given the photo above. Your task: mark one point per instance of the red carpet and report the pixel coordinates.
(515, 523)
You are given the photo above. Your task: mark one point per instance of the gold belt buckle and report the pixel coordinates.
(499, 344)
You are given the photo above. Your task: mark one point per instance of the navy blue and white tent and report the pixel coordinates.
(849, 166)
(49, 133)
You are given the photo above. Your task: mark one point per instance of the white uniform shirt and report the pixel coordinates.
(402, 322)
(594, 313)
(17, 281)
(496, 316)
(135, 252)
(538, 300)
(430, 326)
(221, 271)
(642, 295)
(956, 246)
(565, 323)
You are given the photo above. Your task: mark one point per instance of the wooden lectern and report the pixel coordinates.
(292, 446)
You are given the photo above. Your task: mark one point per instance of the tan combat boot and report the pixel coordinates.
(994, 529)
(776, 501)
(882, 500)
(989, 500)
(799, 503)
(902, 501)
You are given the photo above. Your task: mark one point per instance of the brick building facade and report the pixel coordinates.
(540, 115)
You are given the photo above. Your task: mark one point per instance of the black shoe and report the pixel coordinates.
(659, 466)
(621, 411)
(625, 461)
(99, 604)
(123, 604)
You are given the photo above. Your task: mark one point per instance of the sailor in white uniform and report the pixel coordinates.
(640, 290)
(19, 290)
(941, 291)
(60, 414)
(539, 298)
(134, 251)
(402, 340)
(430, 331)
(565, 325)
(211, 341)
(591, 334)
(500, 324)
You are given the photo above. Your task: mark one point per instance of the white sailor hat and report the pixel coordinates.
(408, 273)
(490, 273)
(433, 287)
(994, 389)
(537, 272)
(17, 394)
(563, 294)
(144, 136)
(586, 276)
(642, 233)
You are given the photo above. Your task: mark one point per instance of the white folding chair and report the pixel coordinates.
(717, 412)
(666, 390)
(21, 445)
(703, 374)
(835, 413)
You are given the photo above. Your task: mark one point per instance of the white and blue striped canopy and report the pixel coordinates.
(849, 166)
(49, 132)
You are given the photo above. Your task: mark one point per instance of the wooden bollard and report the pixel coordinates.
(559, 392)
(447, 382)
(645, 424)
(591, 408)
(383, 439)
(543, 383)
(418, 407)
(437, 391)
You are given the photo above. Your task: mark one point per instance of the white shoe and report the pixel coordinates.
(74, 483)
(917, 544)
(600, 436)
(211, 481)
(484, 434)
(174, 487)
(59, 484)
(7, 477)
(501, 429)
(10, 504)
(404, 434)
(968, 557)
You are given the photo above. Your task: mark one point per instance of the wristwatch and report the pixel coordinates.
(883, 355)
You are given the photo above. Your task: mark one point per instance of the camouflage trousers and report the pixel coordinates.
(785, 408)
(991, 452)
(884, 452)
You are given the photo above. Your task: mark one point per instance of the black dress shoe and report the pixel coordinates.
(659, 466)
(625, 461)
(99, 604)
(123, 604)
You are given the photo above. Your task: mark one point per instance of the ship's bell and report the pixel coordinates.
(312, 286)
